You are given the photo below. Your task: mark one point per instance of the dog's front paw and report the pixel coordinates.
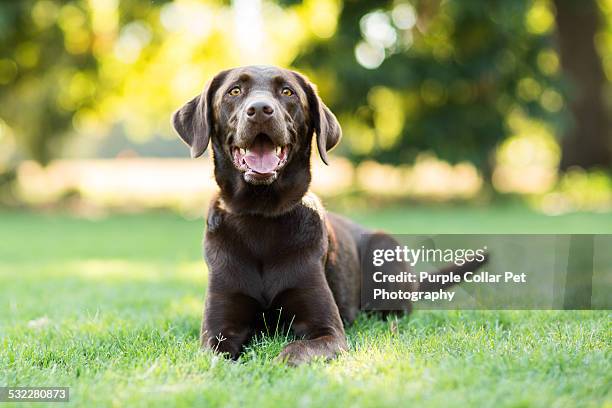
(295, 353)
(304, 351)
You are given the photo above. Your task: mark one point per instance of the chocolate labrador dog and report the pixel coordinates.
(273, 253)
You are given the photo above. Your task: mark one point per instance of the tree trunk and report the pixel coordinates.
(587, 142)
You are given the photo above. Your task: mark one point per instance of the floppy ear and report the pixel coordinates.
(323, 121)
(193, 122)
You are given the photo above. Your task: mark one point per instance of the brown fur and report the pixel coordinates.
(273, 252)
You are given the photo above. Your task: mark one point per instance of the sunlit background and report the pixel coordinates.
(438, 100)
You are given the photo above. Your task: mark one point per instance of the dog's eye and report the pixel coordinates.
(235, 91)
(287, 92)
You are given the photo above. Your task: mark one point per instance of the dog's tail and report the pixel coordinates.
(432, 285)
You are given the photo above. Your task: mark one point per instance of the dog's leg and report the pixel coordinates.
(227, 323)
(315, 318)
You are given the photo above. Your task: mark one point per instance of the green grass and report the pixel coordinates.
(111, 308)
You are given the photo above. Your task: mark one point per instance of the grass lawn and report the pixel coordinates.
(112, 308)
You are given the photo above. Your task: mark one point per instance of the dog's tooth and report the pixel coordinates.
(278, 150)
(242, 151)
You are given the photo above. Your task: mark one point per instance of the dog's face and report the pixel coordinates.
(260, 119)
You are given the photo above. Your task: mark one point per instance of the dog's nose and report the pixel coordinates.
(259, 111)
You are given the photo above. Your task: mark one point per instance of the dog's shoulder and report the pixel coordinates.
(217, 211)
(311, 202)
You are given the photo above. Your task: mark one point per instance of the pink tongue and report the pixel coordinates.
(261, 157)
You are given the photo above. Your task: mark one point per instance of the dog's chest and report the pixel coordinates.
(266, 238)
(261, 256)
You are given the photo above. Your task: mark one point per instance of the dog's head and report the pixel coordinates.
(261, 120)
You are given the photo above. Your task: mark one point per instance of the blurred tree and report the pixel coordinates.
(588, 142)
(47, 71)
(437, 76)
(403, 76)
(84, 66)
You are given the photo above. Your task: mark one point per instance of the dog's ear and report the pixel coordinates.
(194, 121)
(323, 121)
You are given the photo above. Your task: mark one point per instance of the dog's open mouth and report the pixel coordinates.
(262, 160)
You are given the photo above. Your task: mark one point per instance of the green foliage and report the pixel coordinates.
(451, 73)
(111, 308)
(47, 71)
(442, 76)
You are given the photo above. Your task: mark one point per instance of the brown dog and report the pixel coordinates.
(273, 253)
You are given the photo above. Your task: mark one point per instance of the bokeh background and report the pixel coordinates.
(459, 116)
(439, 100)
